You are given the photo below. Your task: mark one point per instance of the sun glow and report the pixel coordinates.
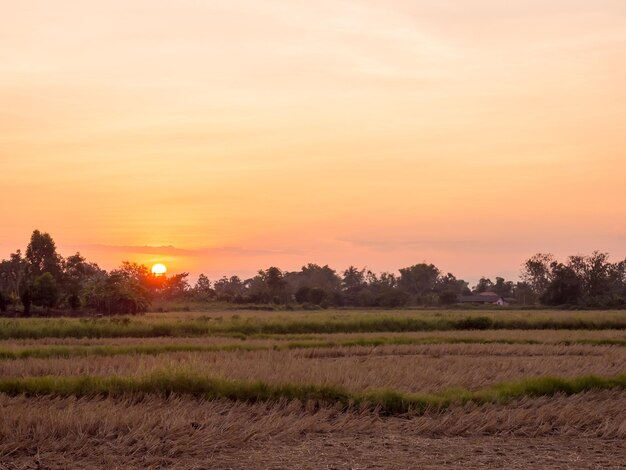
(159, 269)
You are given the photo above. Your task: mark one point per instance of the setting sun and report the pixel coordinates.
(159, 269)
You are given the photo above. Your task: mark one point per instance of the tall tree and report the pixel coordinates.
(202, 290)
(42, 255)
(274, 281)
(536, 272)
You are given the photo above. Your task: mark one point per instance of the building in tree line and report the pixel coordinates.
(484, 298)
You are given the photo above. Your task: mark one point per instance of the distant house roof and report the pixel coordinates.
(487, 298)
(483, 298)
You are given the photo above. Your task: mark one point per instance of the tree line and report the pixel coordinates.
(43, 278)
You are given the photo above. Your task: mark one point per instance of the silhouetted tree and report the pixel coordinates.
(117, 292)
(76, 272)
(45, 291)
(449, 283)
(353, 279)
(484, 285)
(419, 279)
(564, 288)
(227, 288)
(14, 274)
(202, 290)
(175, 287)
(42, 256)
(536, 272)
(503, 287)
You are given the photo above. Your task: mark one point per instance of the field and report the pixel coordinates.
(329, 389)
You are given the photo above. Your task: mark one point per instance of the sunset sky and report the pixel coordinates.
(227, 136)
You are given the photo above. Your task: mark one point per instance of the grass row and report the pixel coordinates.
(60, 351)
(385, 401)
(124, 327)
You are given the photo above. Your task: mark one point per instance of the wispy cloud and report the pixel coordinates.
(170, 250)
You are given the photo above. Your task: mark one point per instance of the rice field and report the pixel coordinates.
(332, 389)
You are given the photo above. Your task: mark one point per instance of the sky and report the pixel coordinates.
(227, 136)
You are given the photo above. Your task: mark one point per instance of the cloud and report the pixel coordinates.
(171, 250)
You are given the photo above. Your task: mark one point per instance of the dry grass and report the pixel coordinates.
(587, 429)
(427, 368)
(348, 345)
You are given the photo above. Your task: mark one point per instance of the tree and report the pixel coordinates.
(419, 279)
(13, 274)
(176, 286)
(273, 278)
(484, 285)
(228, 288)
(202, 290)
(536, 272)
(117, 293)
(449, 283)
(76, 272)
(594, 271)
(564, 288)
(45, 291)
(353, 279)
(503, 288)
(42, 256)
(524, 294)
(323, 277)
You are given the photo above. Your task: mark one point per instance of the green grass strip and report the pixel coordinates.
(386, 401)
(124, 327)
(49, 352)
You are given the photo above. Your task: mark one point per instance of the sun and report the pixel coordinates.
(159, 269)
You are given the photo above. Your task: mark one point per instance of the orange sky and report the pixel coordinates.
(231, 135)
